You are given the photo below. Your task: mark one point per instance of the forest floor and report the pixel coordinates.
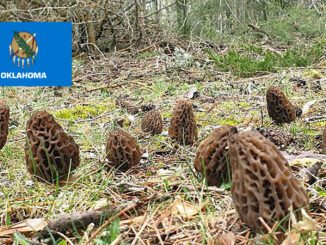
(169, 203)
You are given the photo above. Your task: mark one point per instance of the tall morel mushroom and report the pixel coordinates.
(122, 150)
(4, 122)
(183, 126)
(50, 153)
(212, 158)
(152, 122)
(279, 107)
(262, 181)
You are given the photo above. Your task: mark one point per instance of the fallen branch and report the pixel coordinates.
(106, 223)
(81, 220)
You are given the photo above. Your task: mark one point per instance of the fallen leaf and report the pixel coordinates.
(184, 209)
(306, 224)
(307, 154)
(29, 225)
(309, 104)
(292, 238)
(306, 107)
(191, 92)
(101, 203)
(165, 172)
(226, 239)
(306, 161)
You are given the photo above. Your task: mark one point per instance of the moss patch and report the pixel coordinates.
(80, 112)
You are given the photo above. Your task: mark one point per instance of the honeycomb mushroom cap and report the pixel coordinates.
(4, 122)
(122, 150)
(262, 181)
(212, 158)
(152, 122)
(323, 147)
(183, 126)
(130, 108)
(279, 107)
(50, 153)
(280, 138)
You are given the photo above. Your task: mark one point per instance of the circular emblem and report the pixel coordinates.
(23, 48)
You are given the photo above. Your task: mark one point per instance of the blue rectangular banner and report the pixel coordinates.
(35, 54)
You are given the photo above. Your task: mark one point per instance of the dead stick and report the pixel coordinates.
(106, 223)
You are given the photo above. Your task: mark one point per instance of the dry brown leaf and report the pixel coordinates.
(306, 224)
(101, 203)
(306, 107)
(306, 161)
(226, 239)
(306, 154)
(184, 209)
(292, 238)
(29, 225)
(135, 220)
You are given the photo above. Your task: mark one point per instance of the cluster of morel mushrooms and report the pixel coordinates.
(263, 185)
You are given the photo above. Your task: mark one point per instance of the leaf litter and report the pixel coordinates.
(172, 206)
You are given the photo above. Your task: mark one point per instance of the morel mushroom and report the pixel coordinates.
(262, 181)
(50, 153)
(152, 122)
(130, 108)
(183, 126)
(279, 107)
(212, 158)
(122, 150)
(4, 122)
(280, 138)
(323, 146)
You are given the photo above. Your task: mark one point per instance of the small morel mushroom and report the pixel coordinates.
(122, 150)
(279, 107)
(262, 182)
(147, 107)
(152, 122)
(282, 139)
(4, 122)
(212, 158)
(183, 126)
(130, 108)
(50, 153)
(323, 146)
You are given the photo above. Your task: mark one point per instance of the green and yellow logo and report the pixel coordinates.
(23, 49)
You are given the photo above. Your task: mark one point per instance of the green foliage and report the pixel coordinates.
(20, 239)
(112, 233)
(254, 59)
(226, 186)
(226, 21)
(293, 24)
(303, 55)
(147, 54)
(80, 112)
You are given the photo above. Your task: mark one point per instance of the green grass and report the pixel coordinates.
(160, 179)
(253, 59)
(80, 112)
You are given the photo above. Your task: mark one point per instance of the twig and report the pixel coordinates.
(117, 240)
(106, 223)
(140, 231)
